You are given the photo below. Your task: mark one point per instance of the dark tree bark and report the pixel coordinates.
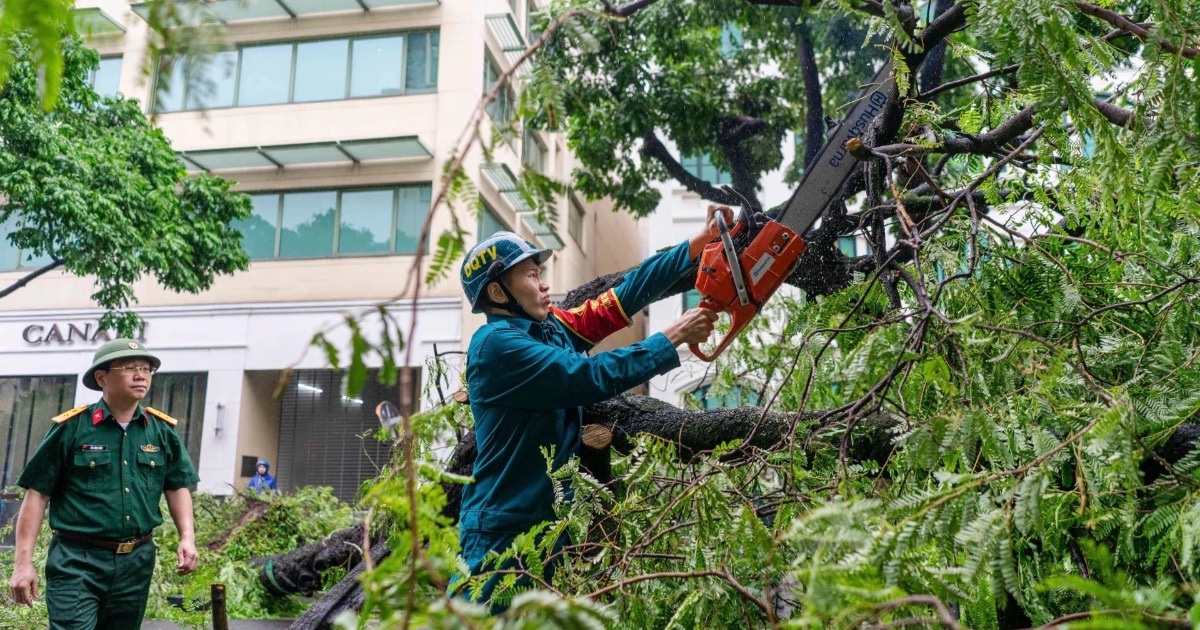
(814, 109)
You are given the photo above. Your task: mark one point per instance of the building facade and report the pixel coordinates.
(337, 117)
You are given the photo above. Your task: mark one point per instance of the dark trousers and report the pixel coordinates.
(88, 588)
(476, 544)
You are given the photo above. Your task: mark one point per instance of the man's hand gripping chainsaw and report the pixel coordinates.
(747, 263)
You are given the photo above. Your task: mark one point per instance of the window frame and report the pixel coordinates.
(335, 237)
(576, 210)
(431, 61)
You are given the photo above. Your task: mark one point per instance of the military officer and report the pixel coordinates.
(101, 469)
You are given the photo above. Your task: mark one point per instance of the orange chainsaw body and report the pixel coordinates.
(765, 263)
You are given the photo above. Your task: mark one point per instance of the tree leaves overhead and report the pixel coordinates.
(92, 184)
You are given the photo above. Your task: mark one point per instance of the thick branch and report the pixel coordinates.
(29, 278)
(628, 9)
(1129, 26)
(814, 110)
(654, 148)
(994, 139)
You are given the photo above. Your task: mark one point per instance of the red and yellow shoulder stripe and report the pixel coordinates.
(67, 415)
(595, 319)
(161, 416)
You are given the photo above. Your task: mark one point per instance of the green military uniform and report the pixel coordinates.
(104, 485)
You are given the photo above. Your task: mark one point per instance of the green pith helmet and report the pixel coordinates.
(492, 257)
(123, 348)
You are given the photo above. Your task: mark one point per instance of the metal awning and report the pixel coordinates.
(96, 22)
(284, 155)
(543, 232)
(506, 184)
(504, 27)
(240, 10)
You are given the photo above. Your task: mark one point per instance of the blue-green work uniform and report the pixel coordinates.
(527, 381)
(104, 484)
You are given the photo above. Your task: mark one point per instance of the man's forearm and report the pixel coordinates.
(179, 502)
(29, 523)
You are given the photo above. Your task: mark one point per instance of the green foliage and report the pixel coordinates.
(1021, 384)
(93, 184)
(230, 532)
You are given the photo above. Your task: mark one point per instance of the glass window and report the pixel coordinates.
(691, 299)
(736, 396)
(702, 167)
(30, 260)
(299, 72)
(575, 223)
(848, 245)
(26, 403)
(213, 79)
(258, 230)
(376, 66)
(169, 86)
(732, 40)
(8, 252)
(321, 70)
(307, 226)
(106, 80)
(535, 155)
(181, 396)
(410, 217)
(531, 33)
(500, 109)
(366, 222)
(422, 62)
(489, 223)
(303, 224)
(265, 75)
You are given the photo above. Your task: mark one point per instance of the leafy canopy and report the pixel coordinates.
(96, 187)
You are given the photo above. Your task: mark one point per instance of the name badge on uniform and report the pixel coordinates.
(95, 447)
(149, 448)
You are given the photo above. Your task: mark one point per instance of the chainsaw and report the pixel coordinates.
(747, 262)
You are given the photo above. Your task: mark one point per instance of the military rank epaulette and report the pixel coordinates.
(162, 416)
(67, 415)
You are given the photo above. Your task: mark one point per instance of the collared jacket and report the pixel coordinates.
(104, 481)
(527, 381)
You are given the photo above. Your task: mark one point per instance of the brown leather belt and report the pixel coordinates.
(119, 546)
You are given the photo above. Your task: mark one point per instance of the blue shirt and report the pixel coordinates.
(527, 381)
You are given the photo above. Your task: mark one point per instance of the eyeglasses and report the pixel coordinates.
(130, 370)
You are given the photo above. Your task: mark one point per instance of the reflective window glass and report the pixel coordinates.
(421, 64)
(8, 251)
(29, 260)
(106, 80)
(266, 74)
(308, 220)
(210, 82)
(575, 223)
(258, 230)
(848, 245)
(168, 89)
(376, 66)
(321, 70)
(410, 217)
(500, 109)
(489, 224)
(366, 223)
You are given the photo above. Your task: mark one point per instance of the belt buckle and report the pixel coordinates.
(126, 547)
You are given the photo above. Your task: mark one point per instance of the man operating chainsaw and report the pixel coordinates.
(528, 376)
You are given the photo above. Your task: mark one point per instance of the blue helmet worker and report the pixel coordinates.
(528, 377)
(262, 479)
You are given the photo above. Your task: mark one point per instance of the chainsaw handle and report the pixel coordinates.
(739, 317)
